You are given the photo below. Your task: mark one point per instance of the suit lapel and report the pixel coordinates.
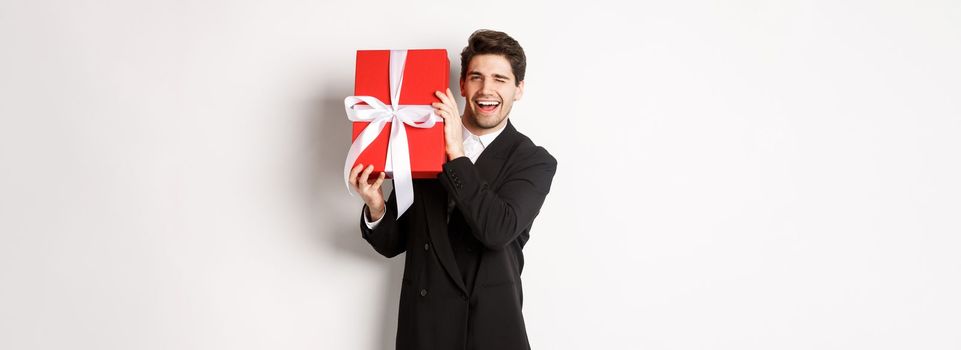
(437, 229)
(492, 159)
(489, 165)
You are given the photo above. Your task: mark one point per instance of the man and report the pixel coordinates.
(465, 231)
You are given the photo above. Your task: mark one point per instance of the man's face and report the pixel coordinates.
(490, 91)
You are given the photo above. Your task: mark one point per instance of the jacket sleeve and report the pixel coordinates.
(389, 237)
(497, 218)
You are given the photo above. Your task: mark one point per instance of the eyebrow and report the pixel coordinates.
(499, 76)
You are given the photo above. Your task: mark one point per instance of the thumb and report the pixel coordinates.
(379, 181)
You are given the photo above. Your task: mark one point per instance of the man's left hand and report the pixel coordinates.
(453, 129)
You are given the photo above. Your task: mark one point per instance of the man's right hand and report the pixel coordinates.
(369, 189)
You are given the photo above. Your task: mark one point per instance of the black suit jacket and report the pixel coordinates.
(496, 200)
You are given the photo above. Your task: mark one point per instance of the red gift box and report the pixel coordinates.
(425, 71)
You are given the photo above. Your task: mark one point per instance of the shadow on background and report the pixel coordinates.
(329, 134)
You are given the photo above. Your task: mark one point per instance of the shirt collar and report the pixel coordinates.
(485, 139)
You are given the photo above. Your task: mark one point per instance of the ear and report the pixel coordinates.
(462, 93)
(520, 91)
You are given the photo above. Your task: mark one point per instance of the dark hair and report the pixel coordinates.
(485, 41)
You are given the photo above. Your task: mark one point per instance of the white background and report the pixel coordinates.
(732, 175)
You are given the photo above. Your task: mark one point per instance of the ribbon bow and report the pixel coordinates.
(378, 114)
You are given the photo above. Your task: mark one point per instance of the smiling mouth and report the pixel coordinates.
(487, 106)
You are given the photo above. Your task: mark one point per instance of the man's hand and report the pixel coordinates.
(369, 190)
(453, 130)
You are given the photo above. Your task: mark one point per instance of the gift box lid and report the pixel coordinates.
(425, 71)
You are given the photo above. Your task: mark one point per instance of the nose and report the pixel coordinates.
(487, 88)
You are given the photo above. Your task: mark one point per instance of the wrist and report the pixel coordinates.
(375, 214)
(455, 154)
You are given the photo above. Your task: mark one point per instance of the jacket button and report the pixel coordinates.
(423, 292)
(426, 246)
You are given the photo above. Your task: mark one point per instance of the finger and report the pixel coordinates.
(353, 174)
(380, 180)
(363, 177)
(452, 120)
(443, 98)
(450, 95)
(449, 103)
(449, 118)
(453, 101)
(442, 112)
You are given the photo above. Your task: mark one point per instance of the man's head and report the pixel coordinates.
(491, 79)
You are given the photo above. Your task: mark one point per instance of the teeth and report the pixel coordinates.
(488, 103)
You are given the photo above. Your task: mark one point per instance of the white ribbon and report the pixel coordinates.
(378, 114)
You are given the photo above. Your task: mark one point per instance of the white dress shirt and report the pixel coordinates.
(473, 147)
